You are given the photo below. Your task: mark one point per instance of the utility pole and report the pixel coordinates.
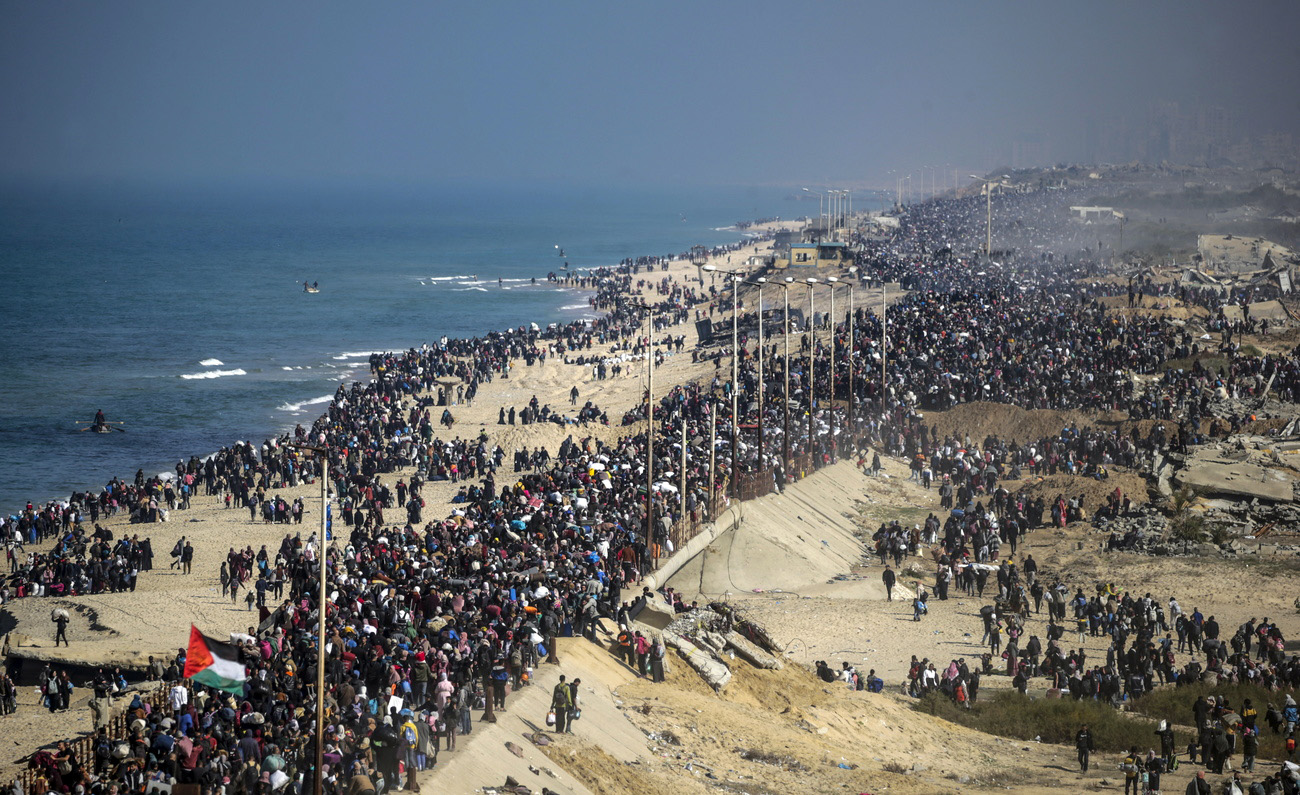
(884, 347)
(735, 388)
(812, 347)
(650, 438)
(761, 281)
(322, 560)
(650, 432)
(681, 488)
(785, 434)
(713, 456)
(853, 413)
(832, 281)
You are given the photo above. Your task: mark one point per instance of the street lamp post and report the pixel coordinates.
(843, 208)
(650, 436)
(988, 207)
(832, 280)
(735, 387)
(322, 561)
(760, 281)
(650, 431)
(884, 348)
(853, 415)
(820, 212)
(812, 346)
(735, 377)
(785, 396)
(713, 453)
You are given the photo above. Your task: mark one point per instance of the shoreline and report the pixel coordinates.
(799, 536)
(277, 427)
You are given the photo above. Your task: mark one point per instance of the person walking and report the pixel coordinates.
(889, 579)
(8, 695)
(657, 653)
(60, 619)
(1249, 749)
(641, 647)
(1083, 743)
(562, 705)
(1198, 785)
(1132, 766)
(187, 557)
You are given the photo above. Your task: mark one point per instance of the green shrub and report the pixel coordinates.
(1175, 705)
(1010, 714)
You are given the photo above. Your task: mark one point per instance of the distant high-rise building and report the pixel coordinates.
(1189, 134)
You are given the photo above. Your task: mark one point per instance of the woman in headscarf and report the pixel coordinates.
(442, 691)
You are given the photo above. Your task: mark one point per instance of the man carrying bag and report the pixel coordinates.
(562, 705)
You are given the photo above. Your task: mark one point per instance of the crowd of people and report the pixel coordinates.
(450, 614)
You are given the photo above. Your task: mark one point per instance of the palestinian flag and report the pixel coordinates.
(213, 663)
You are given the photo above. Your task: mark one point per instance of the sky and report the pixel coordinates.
(754, 92)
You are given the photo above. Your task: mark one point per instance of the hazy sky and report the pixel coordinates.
(693, 92)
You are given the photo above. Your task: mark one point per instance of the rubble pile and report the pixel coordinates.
(1256, 468)
(1250, 527)
(710, 639)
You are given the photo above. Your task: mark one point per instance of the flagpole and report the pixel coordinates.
(320, 652)
(323, 453)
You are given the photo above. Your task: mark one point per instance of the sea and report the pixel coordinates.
(180, 311)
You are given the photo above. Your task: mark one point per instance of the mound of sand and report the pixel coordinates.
(1012, 423)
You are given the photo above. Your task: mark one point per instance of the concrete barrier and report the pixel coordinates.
(729, 520)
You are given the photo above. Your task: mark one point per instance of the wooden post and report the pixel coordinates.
(681, 493)
(713, 468)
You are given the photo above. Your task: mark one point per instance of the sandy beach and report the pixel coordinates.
(796, 561)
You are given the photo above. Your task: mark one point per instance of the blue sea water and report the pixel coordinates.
(181, 313)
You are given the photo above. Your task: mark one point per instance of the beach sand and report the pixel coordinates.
(795, 562)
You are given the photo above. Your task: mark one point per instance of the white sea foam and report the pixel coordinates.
(286, 367)
(213, 374)
(356, 354)
(574, 307)
(452, 278)
(296, 407)
(211, 363)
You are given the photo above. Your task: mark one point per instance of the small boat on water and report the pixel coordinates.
(313, 287)
(100, 426)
